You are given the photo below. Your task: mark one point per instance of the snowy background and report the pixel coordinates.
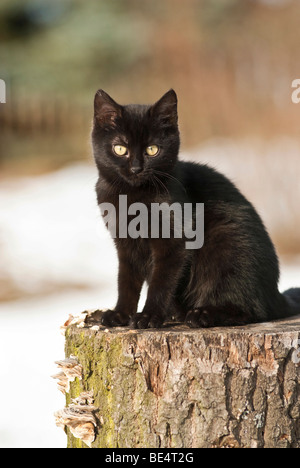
(57, 259)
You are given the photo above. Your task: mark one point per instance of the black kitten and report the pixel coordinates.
(232, 279)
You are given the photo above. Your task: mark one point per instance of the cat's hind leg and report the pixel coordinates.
(217, 316)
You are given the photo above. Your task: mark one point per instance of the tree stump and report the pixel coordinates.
(186, 388)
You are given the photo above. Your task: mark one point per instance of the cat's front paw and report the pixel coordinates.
(112, 318)
(199, 318)
(143, 321)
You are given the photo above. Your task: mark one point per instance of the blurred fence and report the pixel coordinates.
(36, 115)
(38, 135)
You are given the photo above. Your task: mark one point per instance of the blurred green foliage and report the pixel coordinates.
(88, 42)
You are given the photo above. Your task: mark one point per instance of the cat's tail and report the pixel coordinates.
(292, 297)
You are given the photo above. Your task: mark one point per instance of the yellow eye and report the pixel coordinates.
(152, 150)
(120, 150)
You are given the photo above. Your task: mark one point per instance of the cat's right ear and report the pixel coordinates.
(106, 110)
(165, 110)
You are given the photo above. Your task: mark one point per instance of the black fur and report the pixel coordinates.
(232, 279)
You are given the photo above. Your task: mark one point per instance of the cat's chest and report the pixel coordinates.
(123, 201)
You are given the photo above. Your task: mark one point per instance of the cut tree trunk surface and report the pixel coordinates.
(187, 388)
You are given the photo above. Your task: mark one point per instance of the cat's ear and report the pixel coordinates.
(106, 109)
(166, 108)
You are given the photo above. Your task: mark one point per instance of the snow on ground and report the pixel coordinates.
(51, 234)
(56, 253)
(30, 342)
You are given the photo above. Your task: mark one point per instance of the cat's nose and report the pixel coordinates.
(136, 169)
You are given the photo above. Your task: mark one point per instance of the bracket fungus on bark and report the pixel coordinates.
(70, 370)
(80, 418)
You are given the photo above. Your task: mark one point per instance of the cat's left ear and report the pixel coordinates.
(166, 108)
(106, 109)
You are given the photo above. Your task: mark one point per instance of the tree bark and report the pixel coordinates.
(187, 388)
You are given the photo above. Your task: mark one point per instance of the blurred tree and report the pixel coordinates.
(29, 17)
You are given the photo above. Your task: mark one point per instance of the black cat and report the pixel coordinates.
(232, 279)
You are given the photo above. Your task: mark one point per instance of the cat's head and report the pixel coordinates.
(134, 142)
